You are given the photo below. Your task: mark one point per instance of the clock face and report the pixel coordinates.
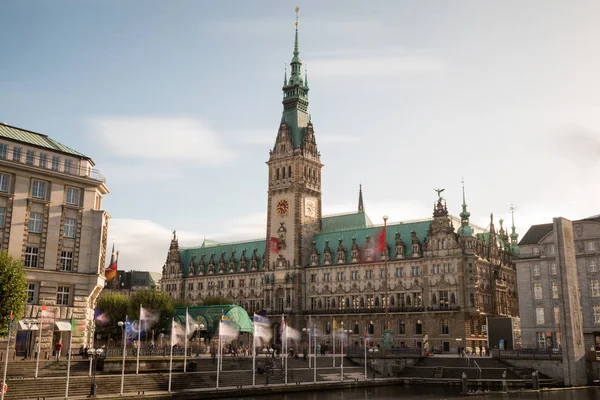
(283, 207)
(310, 208)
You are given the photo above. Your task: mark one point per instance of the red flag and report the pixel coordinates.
(380, 242)
(111, 271)
(274, 245)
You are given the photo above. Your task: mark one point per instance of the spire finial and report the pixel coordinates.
(463, 190)
(305, 77)
(285, 75)
(361, 206)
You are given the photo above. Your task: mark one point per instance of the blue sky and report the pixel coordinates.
(179, 102)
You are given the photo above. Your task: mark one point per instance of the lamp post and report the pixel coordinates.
(373, 351)
(94, 354)
(345, 332)
(122, 326)
(308, 347)
(365, 343)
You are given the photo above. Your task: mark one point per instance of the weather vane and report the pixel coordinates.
(297, 11)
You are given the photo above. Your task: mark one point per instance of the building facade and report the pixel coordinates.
(541, 295)
(51, 218)
(129, 282)
(441, 282)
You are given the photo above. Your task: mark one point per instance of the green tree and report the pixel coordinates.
(114, 306)
(159, 304)
(216, 301)
(13, 290)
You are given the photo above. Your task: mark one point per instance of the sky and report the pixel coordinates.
(178, 104)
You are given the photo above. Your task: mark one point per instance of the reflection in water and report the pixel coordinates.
(427, 393)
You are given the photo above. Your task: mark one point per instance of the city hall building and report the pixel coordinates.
(444, 275)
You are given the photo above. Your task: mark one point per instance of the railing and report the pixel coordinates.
(478, 368)
(365, 310)
(452, 307)
(360, 351)
(163, 351)
(530, 353)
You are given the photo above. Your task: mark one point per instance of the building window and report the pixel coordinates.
(35, 223)
(62, 296)
(3, 151)
(400, 272)
(596, 314)
(73, 197)
(2, 216)
(443, 297)
(554, 290)
(31, 257)
(595, 285)
(4, 180)
(556, 315)
(43, 160)
(401, 328)
(592, 265)
(55, 163)
(416, 270)
(418, 327)
(17, 154)
(30, 155)
(536, 270)
(371, 328)
(356, 329)
(31, 293)
(591, 246)
(70, 227)
(445, 327)
(541, 340)
(537, 291)
(68, 166)
(327, 328)
(553, 269)
(38, 189)
(66, 261)
(539, 315)
(191, 286)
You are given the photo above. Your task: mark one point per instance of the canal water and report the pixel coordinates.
(428, 393)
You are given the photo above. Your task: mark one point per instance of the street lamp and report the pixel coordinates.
(373, 351)
(94, 354)
(309, 343)
(345, 332)
(122, 325)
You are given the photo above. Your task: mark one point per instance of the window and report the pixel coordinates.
(371, 328)
(400, 272)
(38, 189)
(592, 265)
(4, 180)
(541, 340)
(73, 196)
(66, 261)
(554, 290)
(68, 166)
(418, 327)
(253, 282)
(62, 296)
(313, 277)
(369, 274)
(401, 328)
(596, 314)
(70, 227)
(2, 216)
(356, 329)
(416, 270)
(35, 223)
(553, 269)
(43, 160)
(3, 151)
(536, 270)
(17, 154)
(31, 293)
(445, 327)
(55, 163)
(327, 328)
(354, 275)
(556, 315)
(443, 297)
(539, 315)
(30, 155)
(537, 291)
(595, 286)
(31, 257)
(591, 246)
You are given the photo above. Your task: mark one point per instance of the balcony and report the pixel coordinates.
(450, 307)
(373, 310)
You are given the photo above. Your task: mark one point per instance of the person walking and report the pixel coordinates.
(57, 349)
(36, 349)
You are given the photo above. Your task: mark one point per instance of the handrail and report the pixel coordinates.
(468, 358)
(479, 368)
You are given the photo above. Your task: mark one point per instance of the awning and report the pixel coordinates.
(28, 325)
(62, 325)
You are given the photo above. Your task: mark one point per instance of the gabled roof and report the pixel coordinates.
(346, 221)
(35, 139)
(208, 248)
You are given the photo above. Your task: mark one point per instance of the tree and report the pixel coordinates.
(114, 306)
(13, 290)
(216, 301)
(158, 303)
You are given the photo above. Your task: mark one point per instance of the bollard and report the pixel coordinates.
(536, 380)
(504, 384)
(465, 385)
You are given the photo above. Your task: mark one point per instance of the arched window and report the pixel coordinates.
(418, 327)
(393, 301)
(445, 327)
(327, 328)
(290, 171)
(377, 301)
(433, 299)
(443, 243)
(283, 172)
(277, 173)
(347, 302)
(408, 301)
(401, 328)
(333, 303)
(452, 298)
(356, 328)
(371, 328)
(320, 304)
(362, 302)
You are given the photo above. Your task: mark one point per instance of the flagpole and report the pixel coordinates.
(124, 353)
(254, 350)
(342, 353)
(309, 342)
(315, 363)
(69, 360)
(41, 330)
(137, 346)
(171, 360)
(219, 353)
(186, 341)
(333, 343)
(7, 350)
(286, 349)
(93, 338)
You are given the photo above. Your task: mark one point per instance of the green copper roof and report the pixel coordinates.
(209, 248)
(405, 229)
(35, 139)
(211, 315)
(346, 221)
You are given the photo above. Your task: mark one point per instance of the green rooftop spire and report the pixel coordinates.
(465, 229)
(514, 236)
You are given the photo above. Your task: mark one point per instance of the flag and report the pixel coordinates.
(177, 333)
(262, 328)
(46, 313)
(228, 328)
(100, 317)
(274, 245)
(224, 317)
(259, 319)
(111, 271)
(380, 244)
(73, 325)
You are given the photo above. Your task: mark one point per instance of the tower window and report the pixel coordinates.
(283, 172)
(277, 173)
(289, 171)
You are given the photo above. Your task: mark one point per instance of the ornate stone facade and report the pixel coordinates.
(441, 282)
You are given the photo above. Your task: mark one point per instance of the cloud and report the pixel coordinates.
(180, 140)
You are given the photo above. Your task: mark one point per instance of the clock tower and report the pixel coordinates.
(294, 195)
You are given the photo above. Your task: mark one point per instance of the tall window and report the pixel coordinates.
(443, 297)
(401, 328)
(62, 296)
(70, 227)
(445, 327)
(31, 257)
(537, 291)
(68, 166)
(66, 261)
(554, 290)
(541, 340)
(2, 216)
(4, 181)
(30, 155)
(55, 163)
(553, 269)
(43, 160)
(31, 292)
(38, 189)
(3, 151)
(371, 328)
(327, 328)
(17, 154)
(400, 272)
(356, 329)
(556, 315)
(596, 314)
(591, 246)
(35, 223)
(419, 327)
(592, 265)
(539, 315)
(595, 286)
(536, 270)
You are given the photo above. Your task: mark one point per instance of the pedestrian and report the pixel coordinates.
(58, 349)
(480, 351)
(36, 349)
(213, 353)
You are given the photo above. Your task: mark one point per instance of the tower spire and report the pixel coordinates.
(361, 206)
(514, 236)
(465, 229)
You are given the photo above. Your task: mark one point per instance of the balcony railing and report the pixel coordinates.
(450, 307)
(364, 310)
(530, 353)
(360, 352)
